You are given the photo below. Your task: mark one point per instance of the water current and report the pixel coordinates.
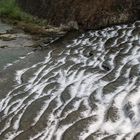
(85, 88)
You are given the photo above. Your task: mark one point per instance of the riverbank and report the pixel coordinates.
(11, 13)
(14, 33)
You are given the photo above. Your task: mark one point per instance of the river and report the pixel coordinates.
(82, 87)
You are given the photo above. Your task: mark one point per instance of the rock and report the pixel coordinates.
(12, 31)
(4, 46)
(105, 67)
(73, 25)
(7, 37)
(39, 30)
(83, 14)
(137, 136)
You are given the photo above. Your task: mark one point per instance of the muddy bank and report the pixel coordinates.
(92, 14)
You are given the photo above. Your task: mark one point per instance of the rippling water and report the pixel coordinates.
(88, 89)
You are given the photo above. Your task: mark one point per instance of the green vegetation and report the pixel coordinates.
(10, 9)
(11, 13)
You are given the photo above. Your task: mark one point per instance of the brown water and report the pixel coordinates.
(86, 88)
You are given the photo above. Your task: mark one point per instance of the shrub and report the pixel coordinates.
(10, 9)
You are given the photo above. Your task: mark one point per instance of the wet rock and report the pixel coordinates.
(112, 114)
(105, 67)
(73, 25)
(137, 137)
(7, 37)
(112, 137)
(91, 53)
(128, 110)
(5, 46)
(34, 29)
(12, 31)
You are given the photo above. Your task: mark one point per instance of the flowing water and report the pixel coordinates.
(84, 88)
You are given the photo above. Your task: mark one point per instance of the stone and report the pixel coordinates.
(84, 14)
(7, 37)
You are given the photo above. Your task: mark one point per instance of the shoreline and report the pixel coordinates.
(38, 33)
(47, 34)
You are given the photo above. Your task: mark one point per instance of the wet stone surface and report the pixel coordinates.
(13, 45)
(83, 88)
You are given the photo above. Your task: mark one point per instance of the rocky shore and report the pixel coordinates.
(14, 33)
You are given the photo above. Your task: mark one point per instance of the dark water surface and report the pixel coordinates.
(86, 88)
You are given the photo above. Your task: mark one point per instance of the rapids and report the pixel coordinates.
(84, 88)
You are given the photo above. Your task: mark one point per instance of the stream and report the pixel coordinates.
(81, 87)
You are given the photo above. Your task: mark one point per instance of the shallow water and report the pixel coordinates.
(86, 88)
(4, 27)
(13, 45)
